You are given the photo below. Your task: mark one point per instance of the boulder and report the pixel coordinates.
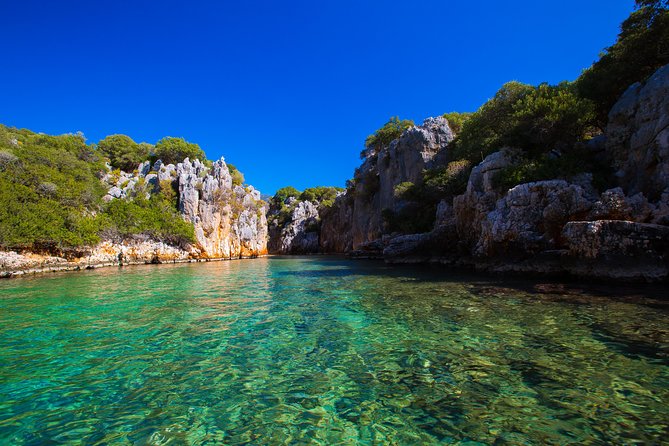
(480, 198)
(530, 218)
(615, 205)
(618, 249)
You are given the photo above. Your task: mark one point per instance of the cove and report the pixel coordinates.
(324, 350)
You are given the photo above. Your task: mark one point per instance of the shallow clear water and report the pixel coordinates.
(326, 351)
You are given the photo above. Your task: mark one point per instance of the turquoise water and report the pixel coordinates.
(326, 351)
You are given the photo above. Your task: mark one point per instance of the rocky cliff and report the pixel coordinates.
(552, 226)
(229, 220)
(295, 228)
(357, 218)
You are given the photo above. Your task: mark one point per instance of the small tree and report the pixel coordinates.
(174, 150)
(237, 176)
(123, 152)
(385, 135)
(642, 47)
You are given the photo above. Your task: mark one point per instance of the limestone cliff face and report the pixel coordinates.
(229, 220)
(552, 226)
(637, 136)
(357, 218)
(299, 233)
(336, 226)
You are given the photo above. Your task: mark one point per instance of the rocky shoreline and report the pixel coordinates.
(554, 226)
(13, 264)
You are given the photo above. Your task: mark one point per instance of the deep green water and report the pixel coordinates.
(327, 351)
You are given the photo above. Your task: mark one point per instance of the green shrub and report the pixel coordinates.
(548, 167)
(447, 181)
(49, 190)
(123, 152)
(385, 135)
(536, 119)
(414, 218)
(456, 120)
(237, 176)
(156, 218)
(279, 199)
(641, 48)
(174, 150)
(402, 189)
(324, 195)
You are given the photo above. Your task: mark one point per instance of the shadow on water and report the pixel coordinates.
(632, 347)
(554, 289)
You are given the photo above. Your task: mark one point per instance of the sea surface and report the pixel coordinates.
(320, 350)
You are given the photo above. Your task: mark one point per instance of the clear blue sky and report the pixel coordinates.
(285, 90)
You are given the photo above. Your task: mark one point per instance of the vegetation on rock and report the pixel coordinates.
(174, 150)
(385, 135)
(52, 195)
(641, 48)
(123, 152)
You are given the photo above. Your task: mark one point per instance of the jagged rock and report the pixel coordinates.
(530, 218)
(116, 192)
(167, 172)
(407, 157)
(660, 214)
(481, 196)
(618, 249)
(227, 222)
(336, 222)
(445, 214)
(299, 235)
(615, 205)
(144, 168)
(441, 245)
(404, 160)
(369, 250)
(152, 183)
(638, 136)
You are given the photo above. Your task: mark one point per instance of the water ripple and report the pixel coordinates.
(326, 351)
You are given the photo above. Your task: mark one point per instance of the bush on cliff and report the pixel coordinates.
(237, 176)
(51, 196)
(49, 190)
(536, 119)
(174, 150)
(641, 48)
(456, 120)
(155, 218)
(385, 135)
(123, 152)
(324, 195)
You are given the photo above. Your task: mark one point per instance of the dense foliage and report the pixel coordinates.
(324, 195)
(536, 119)
(642, 47)
(123, 152)
(48, 190)
(456, 120)
(282, 207)
(155, 218)
(174, 150)
(51, 194)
